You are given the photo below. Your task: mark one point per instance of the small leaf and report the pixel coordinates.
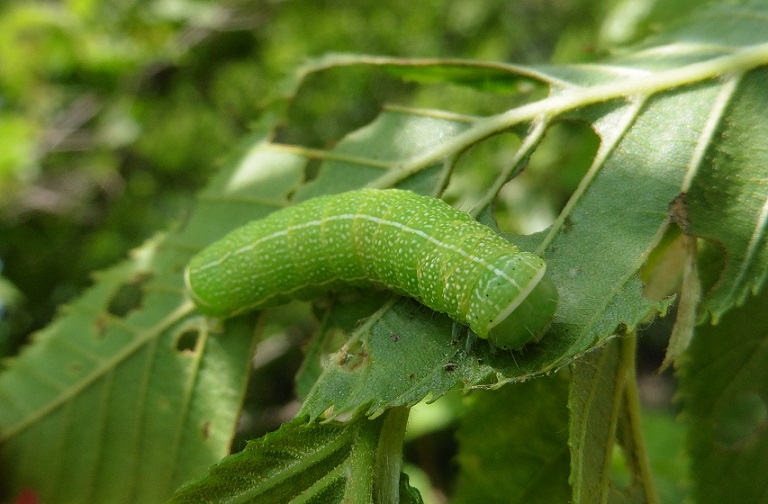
(301, 462)
(605, 409)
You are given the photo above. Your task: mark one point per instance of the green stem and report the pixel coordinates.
(633, 435)
(389, 457)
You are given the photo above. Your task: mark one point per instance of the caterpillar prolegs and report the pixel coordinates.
(414, 245)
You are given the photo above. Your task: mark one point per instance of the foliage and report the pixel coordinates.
(644, 177)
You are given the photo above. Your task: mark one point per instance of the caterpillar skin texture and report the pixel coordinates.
(414, 245)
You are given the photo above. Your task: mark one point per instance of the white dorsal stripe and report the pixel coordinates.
(394, 224)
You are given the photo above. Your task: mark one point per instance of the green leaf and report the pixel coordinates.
(725, 399)
(513, 444)
(367, 156)
(727, 203)
(395, 358)
(301, 462)
(128, 394)
(605, 415)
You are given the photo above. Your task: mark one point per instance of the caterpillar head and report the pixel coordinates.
(529, 320)
(516, 301)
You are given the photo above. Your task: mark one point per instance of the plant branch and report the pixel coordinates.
(389, 457)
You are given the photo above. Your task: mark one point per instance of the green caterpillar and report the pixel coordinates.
(414, 245)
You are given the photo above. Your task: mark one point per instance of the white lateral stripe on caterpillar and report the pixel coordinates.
(376, 220)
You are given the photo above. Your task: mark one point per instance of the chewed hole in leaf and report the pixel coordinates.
(662, 273)
(186, 341)
(620, 470)
(530, 202)
(128, 297)
(477, 168)
(311, 169)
